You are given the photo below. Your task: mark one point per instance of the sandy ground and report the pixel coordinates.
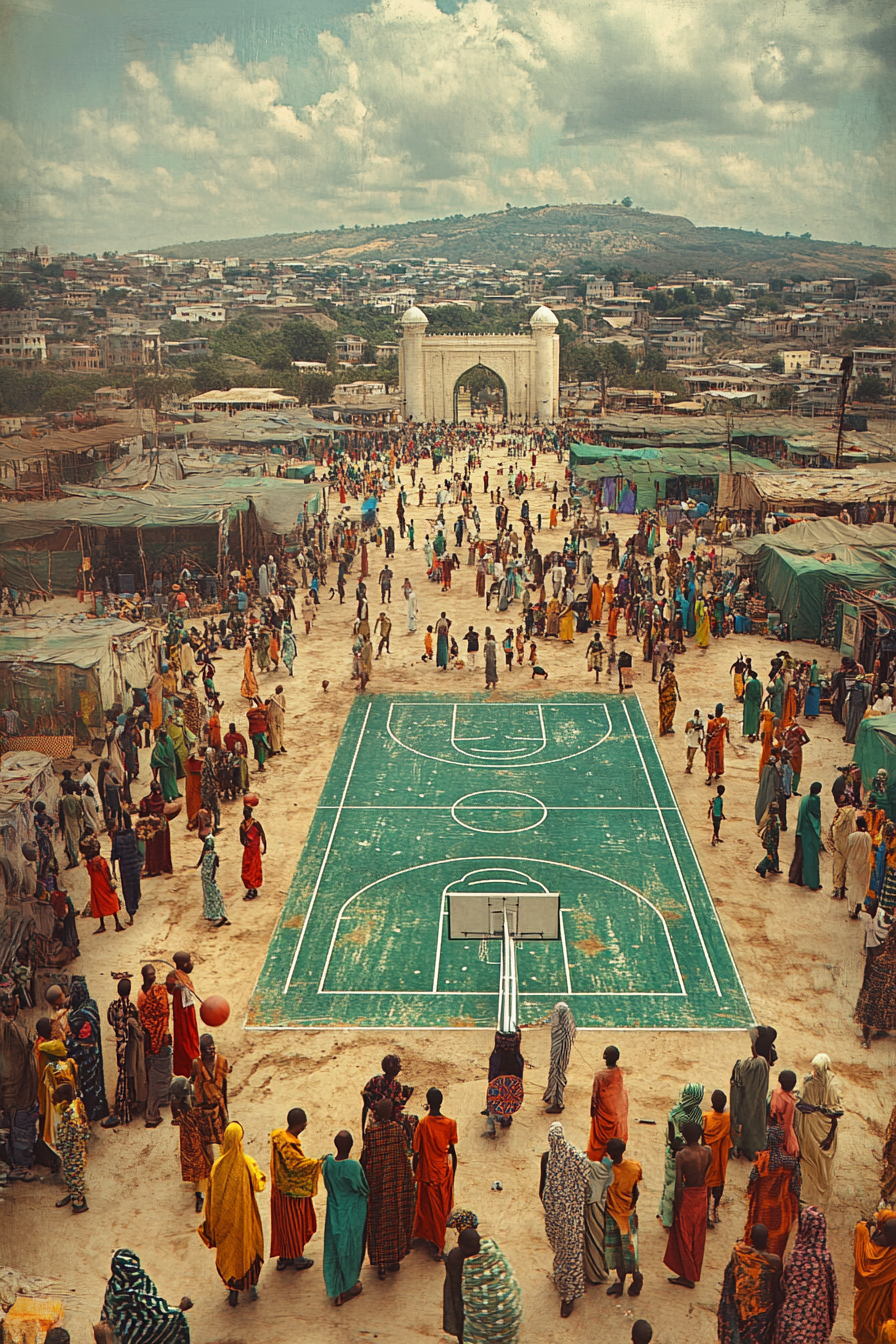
(798, 954)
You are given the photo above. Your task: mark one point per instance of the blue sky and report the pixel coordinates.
(127, 125)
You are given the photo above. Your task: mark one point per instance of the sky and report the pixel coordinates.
(127, 124)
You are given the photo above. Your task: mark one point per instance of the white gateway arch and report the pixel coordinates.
(528, 366)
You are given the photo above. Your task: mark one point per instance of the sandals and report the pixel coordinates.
(61, 1203)
(347, 1297)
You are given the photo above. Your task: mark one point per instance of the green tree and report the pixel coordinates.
(776, 363)
(12, 297)
(653, 361)
(723, 295)
(626, 201)
(306, 340)
(211, 376)
(781, 397)
(878, 278)
(872, 388)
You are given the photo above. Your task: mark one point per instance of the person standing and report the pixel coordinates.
(383, 627)
(565, 1175)
(818, 1110)
(434, 1165)
(492, 1302)
(471, 639)
(669, 696)
(505, 1093)
(690, 1209)
(84, 1045)
(875, 1276)
(694, 734)
(391, 1204)
(750, 1292)
(609, 1106)
(717, 733)
(19, 1106)
(621, 1237)
(859, 851)
(126, 853)
(294, 1180)
(752, 706)
(208, 1077)
(385, 582)
(257, 716)
(183, 997)
(347, 1194)
(468, 1244)
(563, 1034)
(717, 1137)
(152, 1007)
(254, 843)
(72, 1131)
(212, 897)
(717, 813)
(686, 1110)
(443, 625)
(841, 828)
(804, 869)
(130, 1088)
(490, 654)
(749, 1094)
(809, 1285)
(410, 598)
(196, 1157)
(135, 1311)
(232, 1226)
(857, 702)
(774, 1189)
(163, 762)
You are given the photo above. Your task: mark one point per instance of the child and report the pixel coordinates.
(717, 1137)
(595, 657)
(770, 836)
(538, 672)
(621, 1231)
(71, 1142)
(533, 654)
(520, 646)
(717, 814)
(507, 646)
(427, 645)
(21, 975)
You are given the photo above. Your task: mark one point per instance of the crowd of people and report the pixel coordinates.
(545, 577)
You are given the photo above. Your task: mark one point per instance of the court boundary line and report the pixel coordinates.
(684, 885)
(503, 765)
(482, 858)
(699, 866)
(326, 858)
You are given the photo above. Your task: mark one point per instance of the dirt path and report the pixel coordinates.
(799, 956)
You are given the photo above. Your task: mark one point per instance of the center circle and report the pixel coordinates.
(499, 812)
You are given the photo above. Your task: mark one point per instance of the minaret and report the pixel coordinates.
(414, 323)
(544, 401)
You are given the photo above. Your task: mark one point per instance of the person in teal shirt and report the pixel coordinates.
(804, 870)
(347, 1192)
(164, 765)
(752, 704)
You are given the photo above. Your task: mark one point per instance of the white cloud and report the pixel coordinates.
(701, 108)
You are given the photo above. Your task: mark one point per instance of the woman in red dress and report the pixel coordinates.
(157, 858)
(193, 789)
(103, 896)
(254, 843)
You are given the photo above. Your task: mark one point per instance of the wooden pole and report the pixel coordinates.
(845, 376)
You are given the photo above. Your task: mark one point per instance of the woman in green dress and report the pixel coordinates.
(212, 898)
(804, 871)
(164, 765)
(752, 704)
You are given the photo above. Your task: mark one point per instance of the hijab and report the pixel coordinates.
(134, 1309)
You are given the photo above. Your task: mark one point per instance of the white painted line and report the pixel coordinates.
(307, 919)
(565, 955)
(684, 885)
(495, 764)
(443, 915)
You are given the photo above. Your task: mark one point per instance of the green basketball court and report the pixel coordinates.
(430, 796)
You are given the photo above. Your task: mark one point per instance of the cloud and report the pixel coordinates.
(729, 115)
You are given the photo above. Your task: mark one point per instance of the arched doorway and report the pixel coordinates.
(479, 392)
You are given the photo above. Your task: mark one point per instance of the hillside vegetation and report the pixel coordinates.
(594, 236)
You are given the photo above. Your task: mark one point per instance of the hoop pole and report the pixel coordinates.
(507, 994)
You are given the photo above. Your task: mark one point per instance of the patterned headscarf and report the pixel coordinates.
(566, 1178)
(688, 1108)
(564, 1022)
(135, 1311)
(459, 1219)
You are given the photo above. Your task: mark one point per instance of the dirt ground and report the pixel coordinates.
(798, 954)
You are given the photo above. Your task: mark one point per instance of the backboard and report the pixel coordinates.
(531, 916)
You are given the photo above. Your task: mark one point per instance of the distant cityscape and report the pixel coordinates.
(705, 342)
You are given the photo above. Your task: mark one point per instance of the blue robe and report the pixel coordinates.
(347, 1192)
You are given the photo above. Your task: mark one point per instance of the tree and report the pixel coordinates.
(781, 397)
(210, 376)
(306, 340)
(653, 361)
(776, 363)
(723, 295)
(805, 235)
(12, 297)
(878, 278)
(388, 375)
(626, 201)
(872, 388)
(276, 357)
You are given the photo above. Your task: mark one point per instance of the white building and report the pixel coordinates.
(598, 290)
(22, 347)
(198, 312)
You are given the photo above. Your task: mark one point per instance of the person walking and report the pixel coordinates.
(563, 1034)
(435, 1164)
(254, 843)
(232, 1225)
(294, 1179)
(347, 1195)
(565, 1177)
(392, 1198)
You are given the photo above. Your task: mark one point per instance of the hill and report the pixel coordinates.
(597, 236)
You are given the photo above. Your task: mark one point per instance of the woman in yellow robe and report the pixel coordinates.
(702, 614)
(249, 686)
(567, 625)
(232, 1224)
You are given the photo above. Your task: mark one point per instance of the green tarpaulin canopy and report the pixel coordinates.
(794, 584)
(876, 750)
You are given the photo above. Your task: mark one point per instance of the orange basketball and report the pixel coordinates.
(215, 1010)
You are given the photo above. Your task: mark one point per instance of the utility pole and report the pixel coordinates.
(845, 376)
